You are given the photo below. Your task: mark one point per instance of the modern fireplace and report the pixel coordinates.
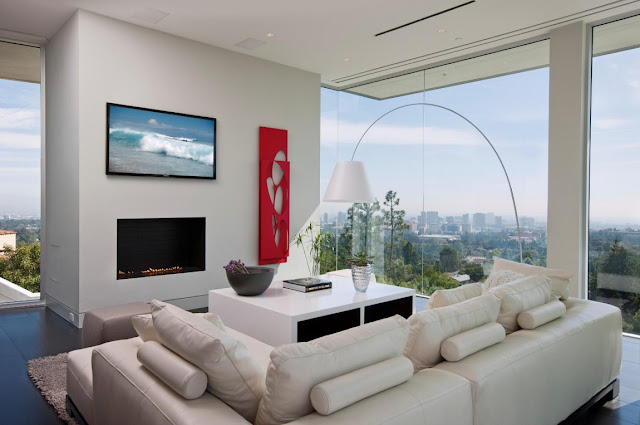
(159, 246)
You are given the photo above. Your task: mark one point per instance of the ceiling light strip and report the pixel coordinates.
(425, 18)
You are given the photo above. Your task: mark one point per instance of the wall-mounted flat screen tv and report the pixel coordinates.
(147, 142)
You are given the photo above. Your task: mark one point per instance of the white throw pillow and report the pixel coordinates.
(462, 345)
(445, 297)
(296, 368)
(430, 327)
(497, 278)
(540, 315)
(233, 374)
(560, 279)
(521, 295)
(180, 375)
(338, 393)
(143, 325)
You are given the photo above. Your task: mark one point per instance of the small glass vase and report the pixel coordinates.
(361, 276)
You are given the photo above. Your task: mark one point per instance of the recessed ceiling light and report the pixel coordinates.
(149, 15)
(441, 30)
(250, 43)
(271, 35)
(347, 59)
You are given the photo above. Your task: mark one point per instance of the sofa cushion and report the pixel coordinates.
(560, 279)
(430, 327)
(80, 381)
(541, 376)
(338, 393)
(430, 397)
(497, 278)
(126, 392)
(233, 374)
(143, 325)
(466, 343)
(296, 368)
(521, 295)
(445, 297)
(540, 315)
(180, 375)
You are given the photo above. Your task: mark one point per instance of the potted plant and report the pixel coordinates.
(248, 281)
(361, 271)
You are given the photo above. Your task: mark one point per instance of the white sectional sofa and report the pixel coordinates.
(538, 376)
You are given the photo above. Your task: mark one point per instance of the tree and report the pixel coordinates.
(475, 271)
(394, 220)
(449, 260)
(22, 266)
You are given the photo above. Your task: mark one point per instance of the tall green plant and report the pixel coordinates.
(22, 266)
(313, 242)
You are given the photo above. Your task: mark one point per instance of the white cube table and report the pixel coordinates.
(281, 316)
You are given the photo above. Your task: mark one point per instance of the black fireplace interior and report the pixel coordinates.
(159, 246)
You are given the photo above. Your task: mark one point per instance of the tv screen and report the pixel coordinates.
(155, 143)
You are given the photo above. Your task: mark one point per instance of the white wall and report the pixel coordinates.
(60, 280)
(131, 65)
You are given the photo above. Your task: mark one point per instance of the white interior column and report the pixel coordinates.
(569, 79)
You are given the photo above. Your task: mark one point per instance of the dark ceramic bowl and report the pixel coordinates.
(254, 283)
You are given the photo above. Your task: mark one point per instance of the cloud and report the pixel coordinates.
(384, 134)
(609, 123)
(19, 119)
(10, 139)
(153, 121)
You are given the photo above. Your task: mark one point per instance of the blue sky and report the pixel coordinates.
(160, 122)
(461, 173)
(19, 148)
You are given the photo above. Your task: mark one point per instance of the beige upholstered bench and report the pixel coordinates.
(111, 323)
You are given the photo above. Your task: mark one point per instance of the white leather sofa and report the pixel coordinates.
(537, 376)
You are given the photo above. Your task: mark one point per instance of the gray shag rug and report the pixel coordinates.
(49, 374)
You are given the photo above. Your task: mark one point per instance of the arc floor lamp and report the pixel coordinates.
(349, 181)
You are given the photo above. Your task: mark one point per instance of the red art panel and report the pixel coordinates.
(274, 197)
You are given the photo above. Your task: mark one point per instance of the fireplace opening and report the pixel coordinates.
(160, 246)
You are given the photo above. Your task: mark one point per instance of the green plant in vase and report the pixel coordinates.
(361, 271)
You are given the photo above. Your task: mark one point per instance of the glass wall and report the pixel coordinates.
(614, 225)
(20, 156)
(443, 207)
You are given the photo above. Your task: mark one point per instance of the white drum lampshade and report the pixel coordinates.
(349, 183)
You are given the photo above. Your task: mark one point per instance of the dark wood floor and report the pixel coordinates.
(27, 334)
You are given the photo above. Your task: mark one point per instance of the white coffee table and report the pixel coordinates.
(281, 316)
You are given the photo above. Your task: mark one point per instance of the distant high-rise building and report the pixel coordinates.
(342, 217)
(450, 219)
(465, 219)
(479, 221)
(432, 218)
(527, 222)
(326, 218)
(490, 219)
(466, 228)
(498, 221)
(422, 219)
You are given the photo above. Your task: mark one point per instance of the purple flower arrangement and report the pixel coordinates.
(236, 267)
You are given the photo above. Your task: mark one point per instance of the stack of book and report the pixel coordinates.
(306, 284)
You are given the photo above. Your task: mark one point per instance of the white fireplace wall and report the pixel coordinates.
(127, 64)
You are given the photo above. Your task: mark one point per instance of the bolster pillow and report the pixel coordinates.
(343, 391)
(466, 343)
(540, 315)
(183, 377)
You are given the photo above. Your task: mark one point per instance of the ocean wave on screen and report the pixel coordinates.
(172, 146)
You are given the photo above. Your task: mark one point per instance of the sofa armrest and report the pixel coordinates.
(125, 392)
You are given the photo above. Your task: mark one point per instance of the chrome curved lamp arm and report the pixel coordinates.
(504, 169)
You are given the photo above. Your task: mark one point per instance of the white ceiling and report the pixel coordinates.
(319, 36)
